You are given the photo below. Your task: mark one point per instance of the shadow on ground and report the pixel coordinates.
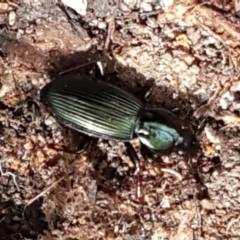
(16, 222)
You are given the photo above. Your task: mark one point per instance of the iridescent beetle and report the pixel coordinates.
(102, 110)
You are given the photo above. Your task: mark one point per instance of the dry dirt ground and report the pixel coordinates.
(188, 52)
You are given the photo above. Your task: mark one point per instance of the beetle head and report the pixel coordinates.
(162, 131)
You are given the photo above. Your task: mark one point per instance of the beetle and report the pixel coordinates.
(99, 109)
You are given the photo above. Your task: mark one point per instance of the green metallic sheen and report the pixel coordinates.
(160, 130)
(101, 110)
(159, 137)
(93, 107)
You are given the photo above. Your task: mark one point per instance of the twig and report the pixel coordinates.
(176, 174)
(3, 174)
(199, 219)
(79, 66)
(2, 219)
(204, 109)
(152, 13)
(229, 225)
(43, 192)
(111, 26)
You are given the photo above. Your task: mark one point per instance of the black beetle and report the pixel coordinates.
(99, 109)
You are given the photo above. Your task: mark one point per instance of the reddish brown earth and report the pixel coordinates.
(189, 54)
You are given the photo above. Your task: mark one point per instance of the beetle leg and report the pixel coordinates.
(146, 153)
(131, 152)
(83, 143)
(145, 92)
(60, 148)
(104, 71)
(106, 65)
(76, 67)
(101, 67)
(110, 63)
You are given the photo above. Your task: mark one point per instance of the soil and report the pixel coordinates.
(188, 53)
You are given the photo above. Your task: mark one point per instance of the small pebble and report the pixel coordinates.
(12, 18)
(102, 25)
(146, 7)
(3, 7)
(166, 3)
(130, 3)
(124, 7)
(235, 86)
(49, 121)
